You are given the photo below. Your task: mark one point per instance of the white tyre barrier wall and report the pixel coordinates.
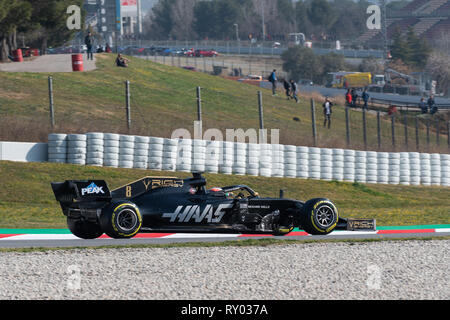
(170, 152)
(414, 168)
(226, 157)
(277, 160)
(425, 169)
(394, 168)
(361, 166)
(405, 171)
(349, 165)
(184, 155)
(95, 149)
(198, 155)
(141, 149)
(57, 148)
(212, 156)
(371, 167)
(125, 151)
(253, 159)
(435, 166)
(76, 149)
(326, 164)
(338, 164)
(240, 158)
(382, 167)
(314, 163)
(302, 162)
(111, 147)
(445, 170)
(155, 153)
(290, 161)
(265, 160)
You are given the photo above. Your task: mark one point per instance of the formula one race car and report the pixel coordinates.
(163, 204)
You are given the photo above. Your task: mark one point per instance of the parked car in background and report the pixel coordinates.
(202, 53)
(305, 82)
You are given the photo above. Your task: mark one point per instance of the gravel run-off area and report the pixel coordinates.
(373, 270)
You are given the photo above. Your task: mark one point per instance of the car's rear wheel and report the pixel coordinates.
(121, 220)
(84, 229)
(320, 217)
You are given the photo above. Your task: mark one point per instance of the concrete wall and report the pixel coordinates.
(24, 151)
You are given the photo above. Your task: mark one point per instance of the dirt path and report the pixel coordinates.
(47, 63)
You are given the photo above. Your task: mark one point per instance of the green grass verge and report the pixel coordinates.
(27, 201)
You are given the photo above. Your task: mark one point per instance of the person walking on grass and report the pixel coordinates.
(287, 88)
(354, 98)
(89, 42)
(348, 98)
(365, 96)
(294, 90)
(273, 79)
(327, 111)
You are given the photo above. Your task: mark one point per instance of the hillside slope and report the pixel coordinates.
(163, 99)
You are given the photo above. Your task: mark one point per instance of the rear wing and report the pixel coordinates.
(81, 191)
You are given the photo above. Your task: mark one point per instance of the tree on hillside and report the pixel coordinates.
(13, 14)
(215, 19)
(419, 49)
(321, 14)
(410, 49)
(399, 47)
(301, 63)
(438, 65)
(301, 17)
(161, 19)
(349, 19)
(204, 18)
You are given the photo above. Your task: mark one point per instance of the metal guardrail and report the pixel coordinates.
(405, 105)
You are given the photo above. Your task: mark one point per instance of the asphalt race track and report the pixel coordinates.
(68, 240)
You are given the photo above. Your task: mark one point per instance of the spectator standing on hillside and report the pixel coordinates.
(423, 106)
(348, 98)
(327, 111)
(365, 96)
(432, 105)
(89, 41)
(287, 88)
(294, 90)
(354, 97)
(273, 79)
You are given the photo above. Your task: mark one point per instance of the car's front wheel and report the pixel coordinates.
(121, 220)
(319, 217)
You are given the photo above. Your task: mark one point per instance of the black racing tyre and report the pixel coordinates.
(121, 220)
(319, 217)
(84, 229)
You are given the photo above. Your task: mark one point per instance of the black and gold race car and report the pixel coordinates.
(166, 204)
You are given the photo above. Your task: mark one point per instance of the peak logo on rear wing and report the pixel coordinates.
(92, 189)
(87, 190)
(139, 187)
